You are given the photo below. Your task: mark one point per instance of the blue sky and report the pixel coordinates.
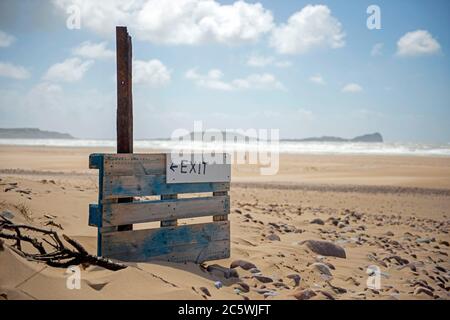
(307, 68)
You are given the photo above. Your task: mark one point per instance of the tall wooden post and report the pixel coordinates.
(124, 99)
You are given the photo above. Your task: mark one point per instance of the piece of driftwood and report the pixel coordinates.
(60, 256)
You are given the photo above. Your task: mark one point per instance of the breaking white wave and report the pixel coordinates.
(293, 147)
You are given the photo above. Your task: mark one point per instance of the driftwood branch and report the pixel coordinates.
(61, 255)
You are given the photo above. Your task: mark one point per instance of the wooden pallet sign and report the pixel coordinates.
(141, 175)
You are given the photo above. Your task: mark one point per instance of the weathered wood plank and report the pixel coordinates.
(138, 186)
(164, 210)
(196, 243)
(134, 164)
(171, 222)
(95, 160)
(194, 252)
(95, 219)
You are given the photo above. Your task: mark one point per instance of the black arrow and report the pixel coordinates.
(173, 166)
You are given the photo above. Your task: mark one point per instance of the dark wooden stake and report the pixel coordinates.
(124, 99)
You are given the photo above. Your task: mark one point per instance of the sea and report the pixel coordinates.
(290, 147)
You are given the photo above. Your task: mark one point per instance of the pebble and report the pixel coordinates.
(420, 290)
(222, 271)
(317, 221)
(243, 264)
(273, 237)
(243, 287)
(263, 279)
(296, 277)
(205, 291)
(304, 294)
(325, 248)
(321, 268)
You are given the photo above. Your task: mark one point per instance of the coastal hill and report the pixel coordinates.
(373, 137)
(367, 138)
(32, 133)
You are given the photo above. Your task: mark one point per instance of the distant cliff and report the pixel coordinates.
(32, 133)
(373, 137)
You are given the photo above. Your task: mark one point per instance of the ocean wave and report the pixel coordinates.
(290, 147)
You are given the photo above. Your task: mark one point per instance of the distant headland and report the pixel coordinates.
(372, 137)
(32, 133)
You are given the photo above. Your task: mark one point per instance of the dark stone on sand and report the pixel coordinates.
(243, 264)
(222, 271)
(243, 287)
(273, 237)
(325, 248)
(205, 291)
(304, 294)
(420, 290)
(296, 277)
(322, 269)
(263, 279)
(317, 221)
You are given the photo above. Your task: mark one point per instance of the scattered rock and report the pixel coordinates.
(425, 240)
(420, 290)
(321, 268)
(445, 243)
(254, 270)
(243, 264)
(218, 284)
(243, 287)
(336, 289)
(304, 294)
(205, 291)
(317, 221)
(327, 294)
(263, 279)
(222, 271)
(325, 248)
(273, 237)
(296, 277)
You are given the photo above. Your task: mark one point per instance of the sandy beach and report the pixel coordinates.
(392, 212)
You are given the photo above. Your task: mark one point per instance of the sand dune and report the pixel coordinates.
(391, 212)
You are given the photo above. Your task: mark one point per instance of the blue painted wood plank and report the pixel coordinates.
(168, 243)
(95, 160)
(95, 215)
(137, 186)
(116, 214)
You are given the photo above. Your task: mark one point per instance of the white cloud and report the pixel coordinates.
(259, 61)
(377, 49)
(70, 70)
(283, 63)
(258, 81)
(10, 70)
(417, 43)
(214, 80)
(256, 60)
(91, 50)
(310, 28)
(5, 39)
(176, 22)
(153, 73)
(317, 79)
(352, 88)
